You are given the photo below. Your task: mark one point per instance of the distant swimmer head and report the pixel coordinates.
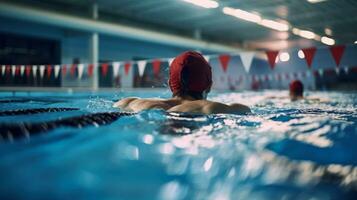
(296, 90)
(190, 75)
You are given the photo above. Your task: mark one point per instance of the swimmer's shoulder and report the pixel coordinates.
(137, 104)
(210, 107)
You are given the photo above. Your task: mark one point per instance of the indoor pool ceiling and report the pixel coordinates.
(336, 19)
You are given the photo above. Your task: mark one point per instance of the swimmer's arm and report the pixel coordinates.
(125, 103)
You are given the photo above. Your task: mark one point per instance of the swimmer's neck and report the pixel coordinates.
(185, 98)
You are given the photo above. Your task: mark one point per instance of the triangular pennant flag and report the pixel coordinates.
(3, 67)
(127, 68)
(346, 70)
(80, 70)
(64, 70)
(13, 68)
(321, 72)
(28, 70)
(170, 61)
(224, 59)
(42, 70)
(247, 59)
(337, 71)
(156, 64)
(309, 54)
(272, 57)
(17, 70)
(142, 65)
(8, 70)
(116, 67)
(90, 70)
(207, 58)
(22, 69)
(34, 70)
(72, 70)
(104, 68)
(48, 71)
(57, 70)
(337, 53)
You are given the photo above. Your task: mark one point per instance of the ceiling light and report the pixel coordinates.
(204, 3)
(327, 40)
(356, 42)
(328, 31)
(242, 14)
(315, 1)
(301, 54)
(307, 34)
(284, 57)
(274, 25)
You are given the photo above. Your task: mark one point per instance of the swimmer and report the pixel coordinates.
(190, 81)
(296, 90)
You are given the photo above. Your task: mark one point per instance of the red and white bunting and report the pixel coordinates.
(142, 65)
(272, 57)
(28, 70)
(49, 71)
(34, 71)
(337, 53)
(321, 72)
(80, 70)
(13, 69)
(207, 58)
(127, 67)
(3, 67)
(64, 70)
(224, 60)
(22, 70)
(346, 70)
(42, 71)
(156, 64)
(168, 60)
(247, 59)
(309, 54)
(57, 70)
(104, 67)
(337, 71)
(116, 67)
(73, 69)
(17, 70)
(90, 70)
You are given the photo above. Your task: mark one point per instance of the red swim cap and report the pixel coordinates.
(190, 71)
(296, 88)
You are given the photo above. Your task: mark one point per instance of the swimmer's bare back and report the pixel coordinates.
(180, 105)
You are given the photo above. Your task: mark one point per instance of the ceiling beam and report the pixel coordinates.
(85, 24)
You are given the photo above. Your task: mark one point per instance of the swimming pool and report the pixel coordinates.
(284, 150)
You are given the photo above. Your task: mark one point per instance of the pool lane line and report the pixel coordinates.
(11, 132)
(34, 111)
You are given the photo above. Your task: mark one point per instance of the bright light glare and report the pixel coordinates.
(274, 25)
(204, 3)
(315, 1)
(242, 14)
(301, 54)
(355, 42)
(284, 57)
(307, 34)
(327, 40)
(296, 31)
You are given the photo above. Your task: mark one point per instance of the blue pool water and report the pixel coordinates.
(283, 150)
